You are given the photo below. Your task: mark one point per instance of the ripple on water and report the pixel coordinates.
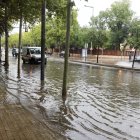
(102, 103)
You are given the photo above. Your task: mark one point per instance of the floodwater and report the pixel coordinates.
(102, 103)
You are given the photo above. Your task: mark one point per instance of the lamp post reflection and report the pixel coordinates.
(92, 23)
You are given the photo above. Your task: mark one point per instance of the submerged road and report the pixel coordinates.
(102, 103)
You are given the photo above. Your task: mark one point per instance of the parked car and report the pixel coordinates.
(32, 55)
(62, 54)
(15, 52)
(137, 59)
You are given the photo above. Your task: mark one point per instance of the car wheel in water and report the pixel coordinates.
(32, 61)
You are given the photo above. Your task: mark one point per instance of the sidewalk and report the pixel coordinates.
(102, 59)
(107, 60)
(17, 123)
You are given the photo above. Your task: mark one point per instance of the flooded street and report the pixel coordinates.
(103, 103)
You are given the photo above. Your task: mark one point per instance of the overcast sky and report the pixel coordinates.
(84, 13)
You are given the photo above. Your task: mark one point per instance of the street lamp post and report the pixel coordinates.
(6, 37)
(70, 4)
(86, 47)
(135, 48)
(43, 39)
(91, 8)
(91, 48)
(137, 39)
(19, 44)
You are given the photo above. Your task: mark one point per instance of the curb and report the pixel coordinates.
(107, 65)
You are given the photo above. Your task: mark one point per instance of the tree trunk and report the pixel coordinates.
(43, 19)
(134, 58)
(137, 35)
(6, 38)
(0, 48)
(98, 54)
(65, 73)
(19, 45)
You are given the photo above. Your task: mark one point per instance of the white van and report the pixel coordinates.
(32, 55)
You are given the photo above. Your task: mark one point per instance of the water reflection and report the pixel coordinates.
(102, 103)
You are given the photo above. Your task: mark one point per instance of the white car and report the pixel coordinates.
(62, 54)
(137, 59)
(32, 55)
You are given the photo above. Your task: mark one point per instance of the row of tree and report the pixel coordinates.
(115, 26)
(28, 11)
(109, 29)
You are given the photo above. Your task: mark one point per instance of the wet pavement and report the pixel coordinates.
(16, 123)
(102, 102)
(109, 61)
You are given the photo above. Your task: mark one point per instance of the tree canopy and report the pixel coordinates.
(110, 28)
(115, 23)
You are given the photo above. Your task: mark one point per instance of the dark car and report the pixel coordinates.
(15, 52)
